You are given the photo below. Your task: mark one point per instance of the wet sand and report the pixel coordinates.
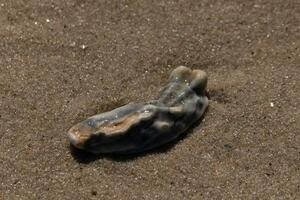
(63, 61)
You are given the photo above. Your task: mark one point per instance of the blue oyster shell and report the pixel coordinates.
(137, 127)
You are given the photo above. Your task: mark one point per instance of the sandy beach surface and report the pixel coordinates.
(63, 61)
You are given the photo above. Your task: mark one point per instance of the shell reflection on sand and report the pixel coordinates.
(138, 127)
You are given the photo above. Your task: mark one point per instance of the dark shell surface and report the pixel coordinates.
(138, 127)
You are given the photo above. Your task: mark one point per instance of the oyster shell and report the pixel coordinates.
(138, 127)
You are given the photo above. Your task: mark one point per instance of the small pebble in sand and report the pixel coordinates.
(272, 104)
(48, 20)
(83, 47)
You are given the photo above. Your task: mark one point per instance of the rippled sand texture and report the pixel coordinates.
(64, 61)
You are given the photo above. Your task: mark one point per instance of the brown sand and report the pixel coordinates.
(63, 61)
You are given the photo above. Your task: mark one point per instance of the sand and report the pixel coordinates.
(63, 61)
